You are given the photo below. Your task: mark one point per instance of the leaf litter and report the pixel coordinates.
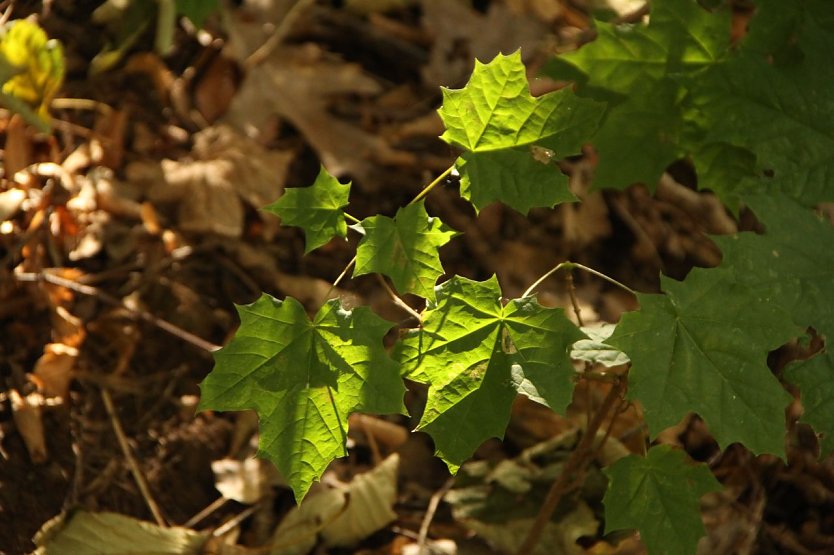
(163, 216)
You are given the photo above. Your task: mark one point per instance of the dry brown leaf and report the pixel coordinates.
(216, 88)
(28, 418)
(18, 150)
(53, 369)
(298, 84)
(459, 37)
(224, 170)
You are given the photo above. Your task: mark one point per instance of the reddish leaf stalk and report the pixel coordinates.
(578, 459)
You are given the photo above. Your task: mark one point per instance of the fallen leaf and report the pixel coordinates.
(224, 170)
(86, 533)
(460, 37)
(298, 84)
(341, 516)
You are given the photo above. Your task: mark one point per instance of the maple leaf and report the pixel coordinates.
(702, 347)
(658, 495)
(637, 70)
(304, 378)
(477, 355)
(779, 106)
(404, 248)
(815, 378)
(316, 209)
(505, 132)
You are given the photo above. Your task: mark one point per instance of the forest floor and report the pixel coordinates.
(129, 234)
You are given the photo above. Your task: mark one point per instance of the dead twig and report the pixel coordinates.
(131, 461)
(164, 325)
(434, 503)
(580, 456)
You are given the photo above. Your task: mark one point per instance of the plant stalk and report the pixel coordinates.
(579, 458)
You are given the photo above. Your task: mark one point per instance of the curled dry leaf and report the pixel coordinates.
(27, 412)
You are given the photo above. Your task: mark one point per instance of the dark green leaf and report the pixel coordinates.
(702, 347)
(658, 495)
(815, 378)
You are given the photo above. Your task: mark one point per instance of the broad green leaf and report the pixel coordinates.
(637, 69)
(631, 153)
(39, 67)
(304, 378)
(496, 120)
(316, 209)
(477, 354)
(659, 495)
(780, 110)
(681, 36)
(793, 261)
(404, 248)
(702, 347)
(815, 379)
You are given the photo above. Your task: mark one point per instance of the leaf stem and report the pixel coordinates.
(398, 300)
(549, 273)
(352, 218)
(605, 277)
(342, 275)
(438, 180)
(571, 265)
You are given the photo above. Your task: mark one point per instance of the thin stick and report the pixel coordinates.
(434, 503)
(234, 521)
(570, 265)
(438, 180)
(164, 325)
(397, 300)
(263, 51)
(573, 301)
(131, 462)
(576, 461)
(553, 270)
(606, 278)
(199, 517)
(81, 104)
(9, 7)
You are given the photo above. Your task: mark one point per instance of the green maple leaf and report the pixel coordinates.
(815, 379)
(316, 209)
(404, 248)
(681, 36)
(622, 146)
(793, 260)
(778, 107)
(658, 495)
(477, 354)
(508, 135)
(637, 70)
(702, 347)
(304, 378)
